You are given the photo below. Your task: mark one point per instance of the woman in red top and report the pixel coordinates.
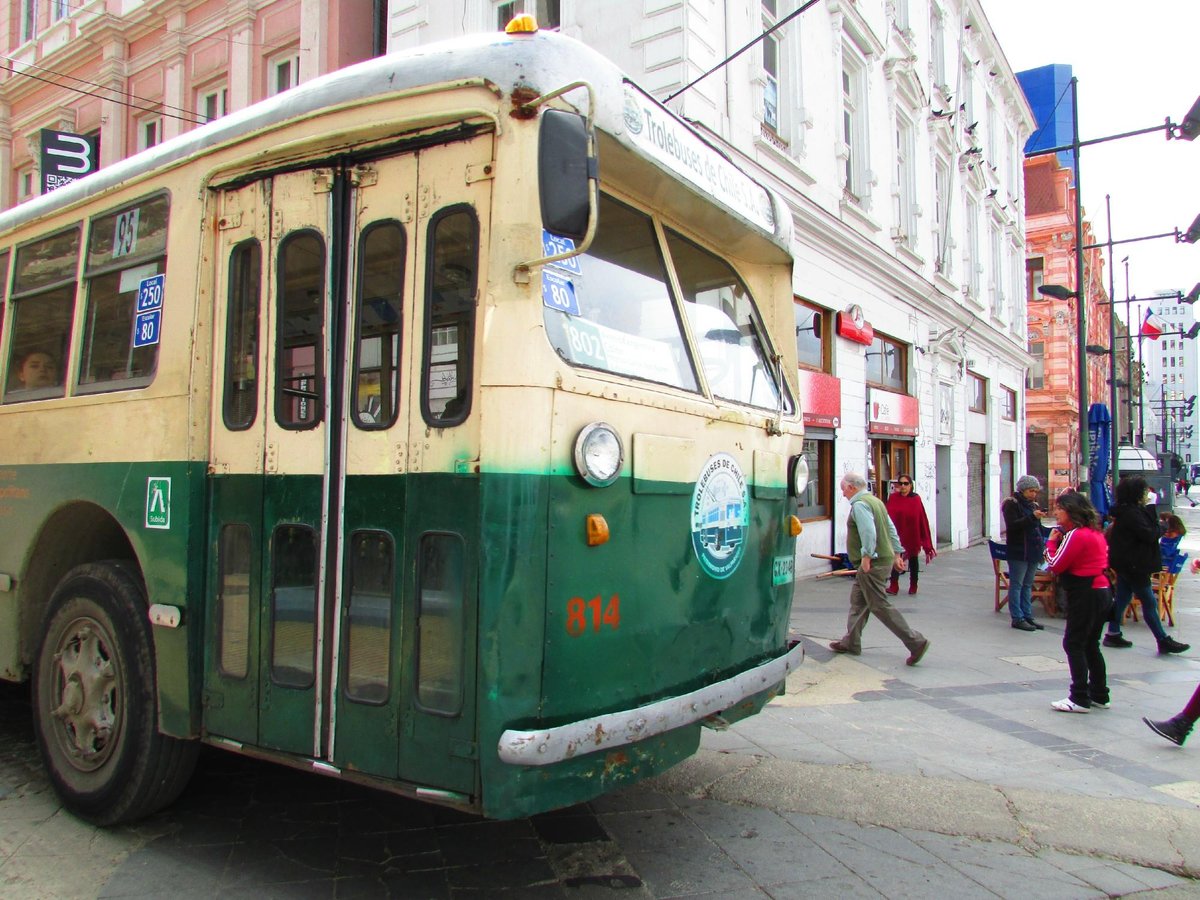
(1078, 554)
(907, 512)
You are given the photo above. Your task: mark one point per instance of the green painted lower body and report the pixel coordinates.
(552, 631)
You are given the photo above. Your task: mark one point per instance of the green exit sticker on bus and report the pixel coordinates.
(158, 502)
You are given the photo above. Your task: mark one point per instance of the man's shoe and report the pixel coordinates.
(839, 647)
(1170, 645)
(1038, 625)
(915, 656)
(1175, 729)
(894, 587)
(1101, 704)
(1115, 640)
(1068, 705)
(1023, 625)
(912, 587)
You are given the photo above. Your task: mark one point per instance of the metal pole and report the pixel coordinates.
(1129, 354)
(1112, 350)
(1081, 293)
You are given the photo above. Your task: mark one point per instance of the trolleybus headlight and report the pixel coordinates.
(598, 454)
(799, 475)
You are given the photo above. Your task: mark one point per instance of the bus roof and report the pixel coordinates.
(536, 63)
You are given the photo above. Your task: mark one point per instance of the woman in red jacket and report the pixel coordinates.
(908, 513)
(1078, 554)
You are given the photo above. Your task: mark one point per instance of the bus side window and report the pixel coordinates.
(233, 600)
(380, 319)
(369, 631)
(300, 284)
(293, 605)
(125, 277)
(450, 285)
(240, 406)
(43, 306)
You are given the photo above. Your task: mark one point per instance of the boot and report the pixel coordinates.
(1170, 645)
(1175, 729)
(894, 585)
(912, 586)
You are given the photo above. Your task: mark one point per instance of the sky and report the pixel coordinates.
(1136, 62)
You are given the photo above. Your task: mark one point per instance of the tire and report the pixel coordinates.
(94, 700)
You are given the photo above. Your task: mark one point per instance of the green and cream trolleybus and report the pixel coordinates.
(430, 425)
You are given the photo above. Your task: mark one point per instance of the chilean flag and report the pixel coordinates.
(1152, 326)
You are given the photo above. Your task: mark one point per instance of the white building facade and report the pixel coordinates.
(894, 130)
(1171, 379)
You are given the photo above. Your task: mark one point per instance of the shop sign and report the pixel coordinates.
(853, 326)
(890, 413)
(820, 398)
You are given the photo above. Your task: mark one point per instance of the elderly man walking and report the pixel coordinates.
(873, 546)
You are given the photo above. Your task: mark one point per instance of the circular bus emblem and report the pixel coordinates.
(720, 516)
(632, 112)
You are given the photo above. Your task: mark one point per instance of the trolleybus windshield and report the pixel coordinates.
(617, 313)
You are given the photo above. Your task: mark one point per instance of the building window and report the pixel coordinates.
(285, 73)
(943, 262)
(814, 503)
(937, 46)
(1033, 279)
(854, 126)
(901, 11)
(1035, 380)
(149, 132)
(547, 12)
(887, 364)
(1008, 401)
(997, 285)
(212, 103)
(770, 50)
(977, 393)
(972, 251)
(28, 20)
(813, 340)
(906, 182)
(59, 10)
(24, 184)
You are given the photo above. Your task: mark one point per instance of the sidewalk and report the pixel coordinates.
(966, 743)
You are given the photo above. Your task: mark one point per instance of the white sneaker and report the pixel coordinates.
(1096, 704)
(1065, 705)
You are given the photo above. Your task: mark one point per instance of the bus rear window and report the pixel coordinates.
(617, 315)
(125, 278)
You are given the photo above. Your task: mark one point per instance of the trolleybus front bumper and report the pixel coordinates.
(616, 729)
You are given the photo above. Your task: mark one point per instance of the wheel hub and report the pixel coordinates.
(88, 688)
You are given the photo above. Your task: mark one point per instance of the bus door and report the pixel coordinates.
(411, 468)
(381, 520)
(268, 462)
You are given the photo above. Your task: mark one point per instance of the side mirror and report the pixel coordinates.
(564, 169)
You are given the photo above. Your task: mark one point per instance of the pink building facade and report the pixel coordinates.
(1052, 387)
(135, 73)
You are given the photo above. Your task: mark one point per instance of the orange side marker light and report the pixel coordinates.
(793, 526)
(597, 530)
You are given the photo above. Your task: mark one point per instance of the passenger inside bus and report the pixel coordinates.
(36, 369)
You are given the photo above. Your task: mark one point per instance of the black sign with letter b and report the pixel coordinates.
(67, 157)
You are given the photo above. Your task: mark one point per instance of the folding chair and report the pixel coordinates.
(999, 554)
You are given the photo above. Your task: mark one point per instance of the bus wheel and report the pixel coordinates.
(94, 700)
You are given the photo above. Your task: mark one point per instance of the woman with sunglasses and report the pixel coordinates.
(906, 510)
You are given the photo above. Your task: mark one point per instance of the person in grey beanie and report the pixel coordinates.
(1026, 549)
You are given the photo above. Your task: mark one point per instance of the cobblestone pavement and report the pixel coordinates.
(867, 779)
